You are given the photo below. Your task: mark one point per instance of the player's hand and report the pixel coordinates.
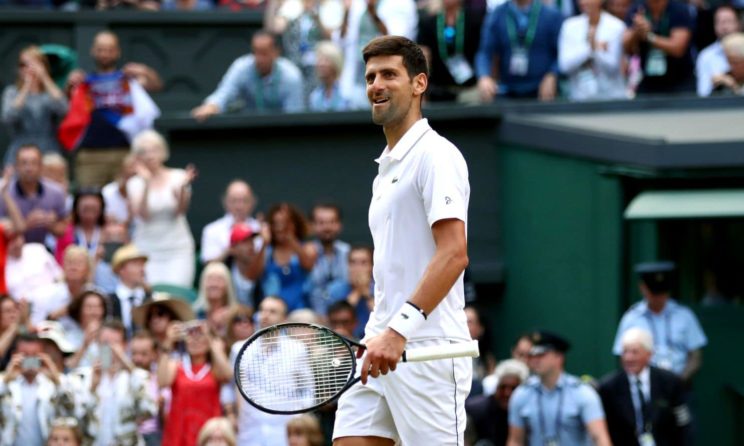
(383, 353)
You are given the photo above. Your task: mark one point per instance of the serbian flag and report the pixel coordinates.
(106, 110)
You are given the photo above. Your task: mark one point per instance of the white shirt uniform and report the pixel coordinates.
(424, 179)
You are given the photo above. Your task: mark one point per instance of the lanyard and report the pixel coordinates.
(667, 331)
(663, 28)
(459, 36)
(531, 28)
(541, 413)
(258, 87)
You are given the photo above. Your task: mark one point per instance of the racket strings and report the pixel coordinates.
(295, 368)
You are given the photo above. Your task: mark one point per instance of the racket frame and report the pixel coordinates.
(257, 335)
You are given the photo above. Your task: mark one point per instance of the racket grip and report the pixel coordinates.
(444, 351)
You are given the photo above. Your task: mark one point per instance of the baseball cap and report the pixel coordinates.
(240, 232)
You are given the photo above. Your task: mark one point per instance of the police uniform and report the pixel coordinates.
(676, 329)
(558, 416)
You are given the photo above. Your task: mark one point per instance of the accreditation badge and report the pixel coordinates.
(519, 63)
(459, 68)
(656, 63)
(646, 439)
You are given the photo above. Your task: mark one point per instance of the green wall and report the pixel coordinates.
(562, 232)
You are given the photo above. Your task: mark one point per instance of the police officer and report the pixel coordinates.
(678, 336)
(554, 408)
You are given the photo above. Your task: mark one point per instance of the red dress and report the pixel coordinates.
(195, 400)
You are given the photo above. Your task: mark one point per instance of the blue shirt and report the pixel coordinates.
(280, 90)
(676, 332)
(565, 411)
(329, 276)
(542, 53)
(286, 281)
(319, 101)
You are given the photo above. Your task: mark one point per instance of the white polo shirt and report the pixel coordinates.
(423, 180)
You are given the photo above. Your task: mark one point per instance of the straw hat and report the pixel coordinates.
(125, 254)
(179, 307)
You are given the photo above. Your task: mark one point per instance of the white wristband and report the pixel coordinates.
(407, 320)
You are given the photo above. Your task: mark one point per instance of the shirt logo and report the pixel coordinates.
(404, 315)
(395, 180)
(447, 200)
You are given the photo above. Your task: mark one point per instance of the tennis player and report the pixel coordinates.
(418, 217)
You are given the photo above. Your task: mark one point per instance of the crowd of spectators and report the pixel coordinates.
(116, 327)
(529, 398)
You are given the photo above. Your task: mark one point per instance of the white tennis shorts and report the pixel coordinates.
(420, 403)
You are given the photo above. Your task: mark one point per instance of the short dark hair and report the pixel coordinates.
(341, 305)
(116, 325)
(28, 337)
(29, 146)
(269, 34)
(366, 248)
(413, 58)
(88, 192)
(145, 335)
(326, 205)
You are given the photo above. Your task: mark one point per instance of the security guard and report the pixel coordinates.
(554, 408)
(678, 336)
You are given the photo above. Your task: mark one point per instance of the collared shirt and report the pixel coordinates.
(124, 398)
(216, 236)
(565, 410)
(710, 62)
(422, 180)
(676, 332)
(330, 273)
(29, 429)
(645, 380)
(281, 90)
(49, 197)
(124, 293)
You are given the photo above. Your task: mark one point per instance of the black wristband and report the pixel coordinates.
(423, 313)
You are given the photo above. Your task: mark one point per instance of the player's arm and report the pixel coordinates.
(445, 267)
(448, 263)
(516, 436)
(597, 430)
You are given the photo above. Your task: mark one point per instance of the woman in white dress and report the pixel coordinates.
(159, 198)
(590, 52)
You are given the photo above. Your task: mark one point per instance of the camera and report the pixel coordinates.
(105, 356)
(30, 363)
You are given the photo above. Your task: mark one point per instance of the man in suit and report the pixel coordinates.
(644, 405)
(131, 291)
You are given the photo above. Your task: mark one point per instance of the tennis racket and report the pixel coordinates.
(294, 368)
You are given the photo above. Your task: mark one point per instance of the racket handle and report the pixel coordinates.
(443, 351)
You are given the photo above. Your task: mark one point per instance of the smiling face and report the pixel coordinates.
(392, 93)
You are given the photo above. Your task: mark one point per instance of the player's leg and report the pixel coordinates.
(427, 400)
(363, 417)
(363, 441)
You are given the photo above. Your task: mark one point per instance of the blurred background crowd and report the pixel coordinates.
(118, 325)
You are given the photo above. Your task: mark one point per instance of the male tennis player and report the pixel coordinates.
(418, 218)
